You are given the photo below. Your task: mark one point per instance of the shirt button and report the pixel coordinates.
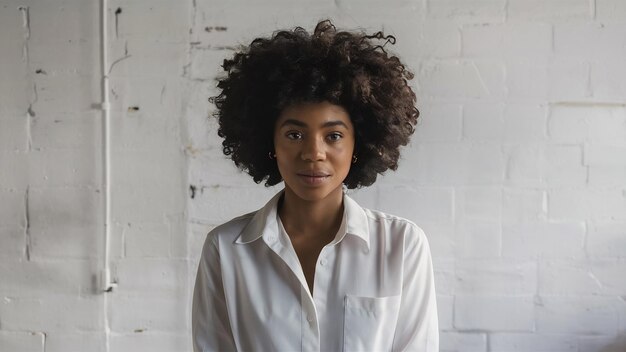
(310, 318)
(271, 239)
(323, 262)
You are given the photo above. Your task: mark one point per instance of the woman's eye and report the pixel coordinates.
(334, 137)
(294, 135)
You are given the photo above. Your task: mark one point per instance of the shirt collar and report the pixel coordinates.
(264, 221)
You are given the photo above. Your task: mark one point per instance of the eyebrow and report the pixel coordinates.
(303, 124)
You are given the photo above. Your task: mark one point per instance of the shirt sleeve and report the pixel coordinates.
(211, 329)
(417, 328)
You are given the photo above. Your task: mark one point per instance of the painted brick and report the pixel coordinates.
(467, 11)
(14, 180)
(16, 81)
(156, 100)
(66, 58)
(50, 314)
(147, 240)
(523, 205)
(606, 240)
(22, 341)
(65, 131)
(578, 314)
(551, 10)
(483, 122)
(478, 239)
(539, 164)
(441, 238)
(14, 133)
(504, 313)
(506, 40)
(479, 203)
(527, 78)
(16, 91)
(445, 312)
(569, 80)
(601, 204)
(463, 342)
(197, 237)
(207, 62)
(12, 209)
(436, 39)
(581, 123)
(212, 168)
(606, 176)
(230, 24)
(131, 313)
(151, 276)
(495, 277)
(423, 204)
(75, 342)
(67, 93)
(461, 79)
(568, 278)
(600, 40)
(608, 79)
(147, 59)
(438, 123)
(524, 122)
(605, 154)
(604, 343)
(12, 243)
(70, 20)
(533, 342)
(64, 168)
(610, 10)
(456, 164)
(220, 209)
(508, 124)
(168, 21)
(150, 341)
(605, 271)
(46, 278)
(60, 221)
(543, 240)
(445, 279)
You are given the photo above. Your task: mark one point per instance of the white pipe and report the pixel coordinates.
(105, 274)
(106, 147)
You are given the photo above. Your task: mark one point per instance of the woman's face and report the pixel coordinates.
(314, 143)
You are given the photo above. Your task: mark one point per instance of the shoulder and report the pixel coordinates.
(393, 225)
(228, 231)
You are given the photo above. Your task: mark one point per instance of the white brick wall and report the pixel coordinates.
(517, 171)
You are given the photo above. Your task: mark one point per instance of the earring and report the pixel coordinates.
(271, 155)
(354, 159)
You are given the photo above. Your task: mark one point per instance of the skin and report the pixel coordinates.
(313, 139)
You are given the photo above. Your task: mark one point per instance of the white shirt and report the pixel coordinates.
(373, 287)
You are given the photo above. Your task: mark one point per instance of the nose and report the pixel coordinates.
(313, 149)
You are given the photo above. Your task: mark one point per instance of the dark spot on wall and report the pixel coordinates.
(215, 28)
(117, 13)
(40, 72)
(192, 190)
(133, 108)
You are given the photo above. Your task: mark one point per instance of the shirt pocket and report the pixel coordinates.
(369, 323)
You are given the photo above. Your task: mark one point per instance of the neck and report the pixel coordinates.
(303, 218)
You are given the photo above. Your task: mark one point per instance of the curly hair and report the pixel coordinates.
(349, 69)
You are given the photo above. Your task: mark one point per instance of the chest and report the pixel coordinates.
(265, 295)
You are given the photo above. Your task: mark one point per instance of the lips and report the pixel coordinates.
(313, 177)
(313, 173)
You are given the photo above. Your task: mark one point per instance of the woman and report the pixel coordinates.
(312, 270)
